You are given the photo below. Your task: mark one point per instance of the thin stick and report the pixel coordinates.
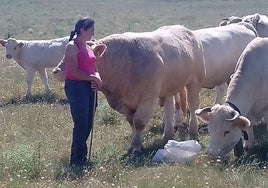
(91, 137)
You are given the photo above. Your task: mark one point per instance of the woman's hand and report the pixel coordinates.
(94, 86)
(96, 81)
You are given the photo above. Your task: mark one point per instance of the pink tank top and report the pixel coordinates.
(86, 62)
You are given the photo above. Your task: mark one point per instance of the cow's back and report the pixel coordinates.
(152, 64)
(249, 83)
(182, 56)
(44, 53)
(222, 47)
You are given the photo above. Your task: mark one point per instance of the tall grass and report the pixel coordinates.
(36, 132)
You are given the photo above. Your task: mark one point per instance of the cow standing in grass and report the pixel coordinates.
(222, 47)
(247, 99)
(138, 68)
(35, 55)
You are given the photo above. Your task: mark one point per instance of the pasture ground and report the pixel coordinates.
(36, 133)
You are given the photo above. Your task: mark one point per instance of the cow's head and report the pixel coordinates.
(254, 19)
(12, 47)
(225, 127)
(259, 22)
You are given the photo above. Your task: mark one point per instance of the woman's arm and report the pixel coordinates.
(70, 59)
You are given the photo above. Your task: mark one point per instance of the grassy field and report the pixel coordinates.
(36, 133)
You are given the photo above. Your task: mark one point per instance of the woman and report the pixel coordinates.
(82, 81)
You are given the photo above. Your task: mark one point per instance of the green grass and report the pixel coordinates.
(36, 132)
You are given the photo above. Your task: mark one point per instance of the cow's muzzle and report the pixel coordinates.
(8, 56)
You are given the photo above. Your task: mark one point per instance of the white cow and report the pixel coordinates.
(222, 48)
(138, 68)
(259, 22)
(35, 55)
(247, 99)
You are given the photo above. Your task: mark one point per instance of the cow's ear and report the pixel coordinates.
(257, 16)
(204, 114)
(99, 49)
(255, 19)
(242, 122)
(3, 42)
(20, 45)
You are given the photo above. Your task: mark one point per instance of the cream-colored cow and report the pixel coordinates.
(35, 55)
(138, 68)
(222, 47)
(246, 101)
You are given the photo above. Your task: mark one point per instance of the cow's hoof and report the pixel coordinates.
(27, 97)
(134, 151)
(166, 138)
(194, 137)
(181, 128)
(182, 131)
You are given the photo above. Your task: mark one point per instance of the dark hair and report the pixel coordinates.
(84, 23)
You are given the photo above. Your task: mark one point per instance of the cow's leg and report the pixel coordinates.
(129, 118)
(180, 109)
(141, 117)
(179, 123)
(29, 80)
(179, 120)
(43, 75)
(193, 104)
(169, 110)
(250, 143)
(220, 93)
(161, 102)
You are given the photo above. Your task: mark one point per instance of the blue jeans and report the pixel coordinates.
(81, 99)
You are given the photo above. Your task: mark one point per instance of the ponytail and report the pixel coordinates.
(84, 23)
(72, 35)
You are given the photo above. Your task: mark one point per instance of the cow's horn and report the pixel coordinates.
(235, 116)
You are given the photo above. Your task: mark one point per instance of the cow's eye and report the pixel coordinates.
(226, 132)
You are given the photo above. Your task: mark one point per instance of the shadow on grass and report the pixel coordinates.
(257, 157)
(143, 158)
(37, 98)
(65, 172)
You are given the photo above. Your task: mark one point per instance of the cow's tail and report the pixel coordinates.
(181, 102)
